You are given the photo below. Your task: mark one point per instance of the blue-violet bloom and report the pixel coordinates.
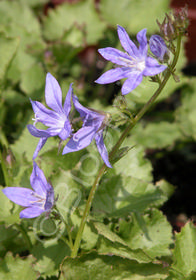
(38, 200)
(93, 126)
(158, 46)
(57, 119)
(133, 65)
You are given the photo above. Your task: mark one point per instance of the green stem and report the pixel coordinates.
(4, 169)
(144, 109)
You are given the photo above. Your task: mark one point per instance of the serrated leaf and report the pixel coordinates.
(81, 14)
(106, 232)
(49, 256)
(133, 14)
(16, 268)
(98, 267)
(119, 196)
(150, 232)
(185, 250)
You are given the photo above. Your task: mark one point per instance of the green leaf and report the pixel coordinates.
(121, 195)
(98, 267)
(111, 243)
(16, 268)
(134, 164)
(8, 48)
(132, 14)
(185, 114)
(150, 232)
(185, 250)
(82, 15)
(157, 135)
(49, 256)
(9, 212)
(33, 80)
(26, 144)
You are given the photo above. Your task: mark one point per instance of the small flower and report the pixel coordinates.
(94, 123)
(38, 201)
(158, 47)
(134, 64)
(57, 120)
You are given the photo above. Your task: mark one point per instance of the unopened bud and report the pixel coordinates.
(158, 47)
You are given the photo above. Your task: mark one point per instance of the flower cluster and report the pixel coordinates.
(133, 64)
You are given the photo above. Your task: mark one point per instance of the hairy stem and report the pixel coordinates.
(140, 114)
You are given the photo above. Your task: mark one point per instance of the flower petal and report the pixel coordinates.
(67, 103)
(115, 56)
(141, 37)
(113, 75)
(31, 212)
(81, 109)
(40, 144)
(80, 140)
(38, 132)
(21, 196)
(53, 94)
(126, 42)
(44, 115)
(153, 67)
(132, 82)
(38, 180)
(102, 149)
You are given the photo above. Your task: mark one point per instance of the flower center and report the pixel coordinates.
(133, 63)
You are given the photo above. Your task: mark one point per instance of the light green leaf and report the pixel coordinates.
(119, 196)
(157, 135)
(186, 114)
(150, 232)
(15, 268)
(98, 267)
(185, 250)
(134, 164)
(83, 15)
(8, 48)
(9, 212)
(33, 80)
(134, 15)
(49, 256)
(26, 144)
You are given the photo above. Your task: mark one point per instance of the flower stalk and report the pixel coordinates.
(115, 149)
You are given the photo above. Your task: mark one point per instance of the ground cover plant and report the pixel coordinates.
(92, 105)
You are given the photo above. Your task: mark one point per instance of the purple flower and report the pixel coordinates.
(57, 120)
(38, 201)
(134, 64)
(158, 46)
(92, 128)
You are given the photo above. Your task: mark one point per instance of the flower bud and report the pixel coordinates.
(158, 47)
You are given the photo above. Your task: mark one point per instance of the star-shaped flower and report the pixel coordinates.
(57, 119)
(134, 64)
(92, 128)
(38, 200)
